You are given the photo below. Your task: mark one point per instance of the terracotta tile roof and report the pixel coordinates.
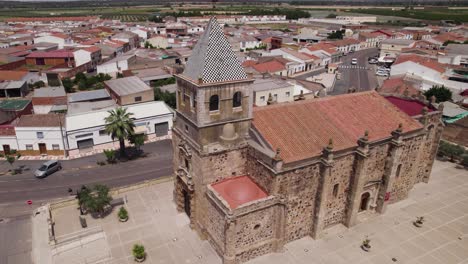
(60, 100)
(248, 63)
(345, 42)
(432, 64)
(397, 86)
(47, 120)
(311, 56)
(7, 130)
(91, 41)
(449, 36)
(296, 54)
(12, 75)
(92, 49)
(409, 106)
(302, 129)
(60, 35)
(239, 190)
(323, 46)
(51, 54)
(270, 66)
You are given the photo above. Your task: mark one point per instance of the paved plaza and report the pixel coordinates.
(167, 237)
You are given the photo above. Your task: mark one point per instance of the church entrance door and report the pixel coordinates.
(364, 201)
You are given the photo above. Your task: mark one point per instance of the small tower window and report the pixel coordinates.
(398, 170)
(335, 190)
(214, 103)
(237, 99)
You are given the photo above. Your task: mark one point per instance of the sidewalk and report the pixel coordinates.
(85, 154)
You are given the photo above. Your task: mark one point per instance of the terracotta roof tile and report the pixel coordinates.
(92, 49)
(12, 75)
(239, 190)
(270, 66)
(397, 86)
(47, 120)
(432, 64)
(302, 129)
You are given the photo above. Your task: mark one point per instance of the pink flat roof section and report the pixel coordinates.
(239, 190)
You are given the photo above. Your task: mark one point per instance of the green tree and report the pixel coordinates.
(441, 93)
(38, 84)
(95, 200)
(464, 161)
(82, 85)
(119, 125)
(137, 140)
(337, 34)
(165, 96)
(331, 15)
(110, 155)
(78, 77)
(68, 85)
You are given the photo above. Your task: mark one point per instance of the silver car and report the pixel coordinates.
(48, 168)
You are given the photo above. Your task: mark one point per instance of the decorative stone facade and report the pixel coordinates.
(301, 198)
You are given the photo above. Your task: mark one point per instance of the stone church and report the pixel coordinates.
(254, 178)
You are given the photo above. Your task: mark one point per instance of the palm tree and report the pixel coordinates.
(119, 124)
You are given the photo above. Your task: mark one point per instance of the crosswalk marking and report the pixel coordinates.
(352, 67)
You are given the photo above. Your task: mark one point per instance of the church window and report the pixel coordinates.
(237, 99)
(214, 103)
(335, 190)
(398, 170)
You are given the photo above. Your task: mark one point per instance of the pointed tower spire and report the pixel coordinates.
(213, 59)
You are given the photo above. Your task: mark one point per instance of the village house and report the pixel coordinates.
(393, 47)
(129, 90)
(85, 131)
(40, 134)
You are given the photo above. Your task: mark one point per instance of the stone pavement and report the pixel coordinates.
(153, 222)
(167, 237)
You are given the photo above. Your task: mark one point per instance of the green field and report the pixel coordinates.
(440, 13)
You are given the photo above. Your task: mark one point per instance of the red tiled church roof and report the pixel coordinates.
(302, 129)
(239, 190)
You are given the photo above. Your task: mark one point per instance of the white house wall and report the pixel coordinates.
(8, 140)
(81, 57)
(148, 123)
(28, 136)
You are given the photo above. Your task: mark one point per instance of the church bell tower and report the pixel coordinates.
(213, 117)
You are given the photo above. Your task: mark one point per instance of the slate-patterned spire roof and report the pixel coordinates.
(213, 59)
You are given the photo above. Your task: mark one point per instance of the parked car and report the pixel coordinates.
(354, 61)
(382, 73)
(48, 168)
(373, 61)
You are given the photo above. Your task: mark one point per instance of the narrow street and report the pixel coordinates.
(361, 76)
(15, 190)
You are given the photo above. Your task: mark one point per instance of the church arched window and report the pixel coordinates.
(214, 102)
(237, 99)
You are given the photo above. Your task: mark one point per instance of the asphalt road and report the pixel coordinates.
(356, 76)
(17, 189)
